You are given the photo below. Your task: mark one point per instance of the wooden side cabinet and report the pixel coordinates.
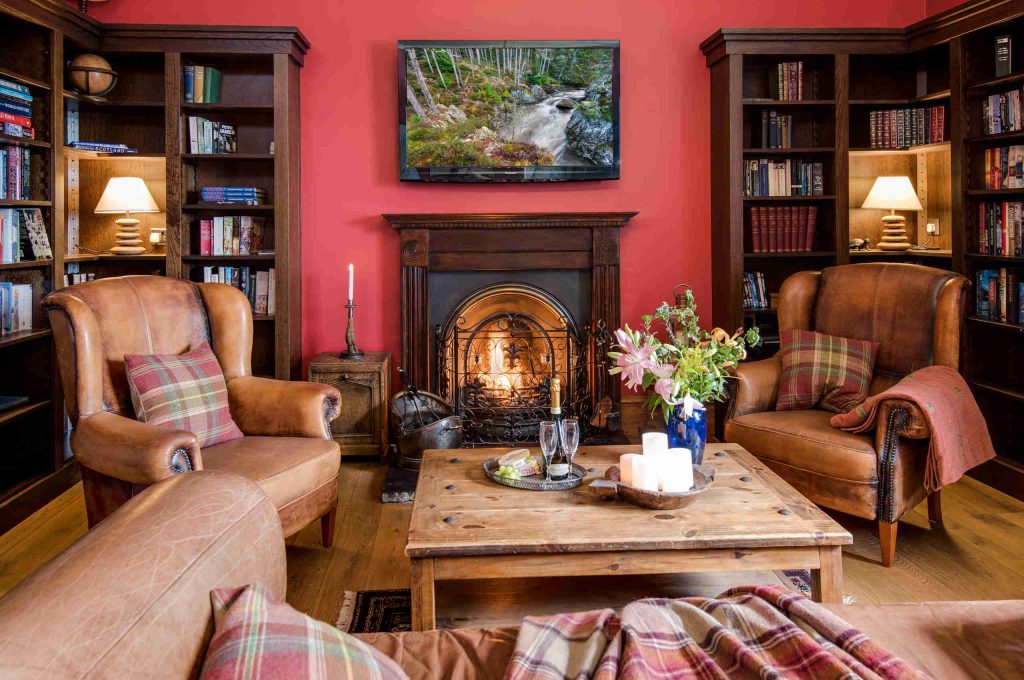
(361, 428)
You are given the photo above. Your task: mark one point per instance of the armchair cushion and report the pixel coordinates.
(286, 468)
(824, 371)
(183, 392)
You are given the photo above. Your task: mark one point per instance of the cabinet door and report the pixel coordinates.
(358, 425)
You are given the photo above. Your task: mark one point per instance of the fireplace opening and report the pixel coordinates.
(498, 351)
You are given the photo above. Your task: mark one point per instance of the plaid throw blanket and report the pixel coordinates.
(958, 436)
(755, 632)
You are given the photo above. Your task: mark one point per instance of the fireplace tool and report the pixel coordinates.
(420, 421)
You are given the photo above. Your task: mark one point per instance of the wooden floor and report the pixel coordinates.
(978, 554)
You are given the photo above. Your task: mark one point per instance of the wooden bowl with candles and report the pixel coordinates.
(613, 487)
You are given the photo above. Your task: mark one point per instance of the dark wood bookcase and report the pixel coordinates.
(146, 110)
(947, 60)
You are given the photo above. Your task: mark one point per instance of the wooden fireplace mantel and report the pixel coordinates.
(447, 242)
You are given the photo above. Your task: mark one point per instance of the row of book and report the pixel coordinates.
(15, 307)
(15, 173)
(776, 130)
(15, 104)
(233, 195)
(13, 130)
(202, 84)
(783, 229)
(103, 147)
(755, 293)
(23, 236)
(208, 136)
(231, 235)
(1004, 167)
(258, 286)
(788, 84)
(1000, 295)
(899, 128)
(999, 228)
(789, 177)
(73, 274)
(1001, 113)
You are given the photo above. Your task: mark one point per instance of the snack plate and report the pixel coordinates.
(535, 482)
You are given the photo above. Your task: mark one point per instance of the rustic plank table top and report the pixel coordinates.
(465, 527)
(459, 512)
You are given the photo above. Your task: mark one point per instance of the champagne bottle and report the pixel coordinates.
(559, 461)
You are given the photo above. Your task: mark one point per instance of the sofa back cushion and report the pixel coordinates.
(131, 598)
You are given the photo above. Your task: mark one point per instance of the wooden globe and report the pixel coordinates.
(91, 75)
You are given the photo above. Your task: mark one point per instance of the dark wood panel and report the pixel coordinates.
(485, 240)
(456, 262)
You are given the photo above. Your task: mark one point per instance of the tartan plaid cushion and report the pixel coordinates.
(182, 392)
(823, 371)
(256, 637)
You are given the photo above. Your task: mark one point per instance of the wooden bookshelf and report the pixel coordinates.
(260, 95)
(945, 60)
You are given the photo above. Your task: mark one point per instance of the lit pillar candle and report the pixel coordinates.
(655, 442)
(351, 277)
(626, 468)
(645, 473)
(676, 471)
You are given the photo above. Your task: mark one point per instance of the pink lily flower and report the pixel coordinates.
(633, 360)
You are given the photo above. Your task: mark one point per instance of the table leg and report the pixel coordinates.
(827, 580)
(423, 612)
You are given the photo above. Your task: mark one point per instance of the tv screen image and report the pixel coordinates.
(512, 111)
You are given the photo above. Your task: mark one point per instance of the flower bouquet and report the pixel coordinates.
(686, 370)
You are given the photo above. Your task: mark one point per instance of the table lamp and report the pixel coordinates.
(126, 195)
(892, 194)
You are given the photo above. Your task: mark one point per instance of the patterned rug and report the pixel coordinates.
(390, 611)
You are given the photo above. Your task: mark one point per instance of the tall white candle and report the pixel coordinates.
(676, 469)
(626, 468)
(351, 276)
(645, 474)
(655, 442)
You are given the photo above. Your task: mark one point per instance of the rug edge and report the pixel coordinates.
(348, 610)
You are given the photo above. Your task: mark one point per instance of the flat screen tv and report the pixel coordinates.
(508, 111)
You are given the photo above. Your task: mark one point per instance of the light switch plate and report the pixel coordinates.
(933, 227)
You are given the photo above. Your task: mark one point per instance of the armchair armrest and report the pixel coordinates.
(912, 426)
(756, 387)
(282, 408)
(133, 451)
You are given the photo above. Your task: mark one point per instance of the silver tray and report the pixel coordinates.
(536, 482)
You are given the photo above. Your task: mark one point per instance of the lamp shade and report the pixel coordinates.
(892, 193)
(126, 194)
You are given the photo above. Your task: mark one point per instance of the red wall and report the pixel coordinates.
(935, 6)
(349, 145)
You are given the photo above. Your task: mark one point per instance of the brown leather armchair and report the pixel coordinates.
(287, 448)
(915, 314)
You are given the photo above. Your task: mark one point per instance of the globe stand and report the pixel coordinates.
(129, 238)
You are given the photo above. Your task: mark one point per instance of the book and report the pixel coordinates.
(271, 292)
(11, 85)
(206, 237)
(211, 85)
(262, 291)
(198, 84)
(7, 403)
(1004, 55)
(39, 242)
(6, 117)
(188, 87)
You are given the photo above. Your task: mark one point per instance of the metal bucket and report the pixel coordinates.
(421, 421)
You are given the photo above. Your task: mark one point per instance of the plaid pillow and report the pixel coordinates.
(256, 637)
(183, 392)
(823, 371)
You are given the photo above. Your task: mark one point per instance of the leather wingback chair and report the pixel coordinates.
(287, 448)
(915, 314)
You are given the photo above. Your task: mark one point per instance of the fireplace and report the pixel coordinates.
(495, 306)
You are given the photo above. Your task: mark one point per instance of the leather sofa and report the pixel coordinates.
(915, 313)
(287, 448)
(131, 599)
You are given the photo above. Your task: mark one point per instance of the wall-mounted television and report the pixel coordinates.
(508, 111)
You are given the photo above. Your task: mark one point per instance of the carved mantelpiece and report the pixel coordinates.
(461, 242)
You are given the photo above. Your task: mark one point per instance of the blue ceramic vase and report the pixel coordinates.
(688, 433)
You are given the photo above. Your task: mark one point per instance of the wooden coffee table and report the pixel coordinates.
(465, 526)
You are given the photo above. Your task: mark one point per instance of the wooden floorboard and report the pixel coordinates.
(977, 554)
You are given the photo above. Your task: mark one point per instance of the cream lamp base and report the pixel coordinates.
(894, 234)
(129, 238)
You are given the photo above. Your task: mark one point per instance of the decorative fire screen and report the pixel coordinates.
(497, 354)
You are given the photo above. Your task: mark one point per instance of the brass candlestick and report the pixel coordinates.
(352, 351)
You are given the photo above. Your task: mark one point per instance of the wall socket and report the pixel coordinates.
(933, 227)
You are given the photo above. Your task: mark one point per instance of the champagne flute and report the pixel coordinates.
(548, 443)
(570, 439)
